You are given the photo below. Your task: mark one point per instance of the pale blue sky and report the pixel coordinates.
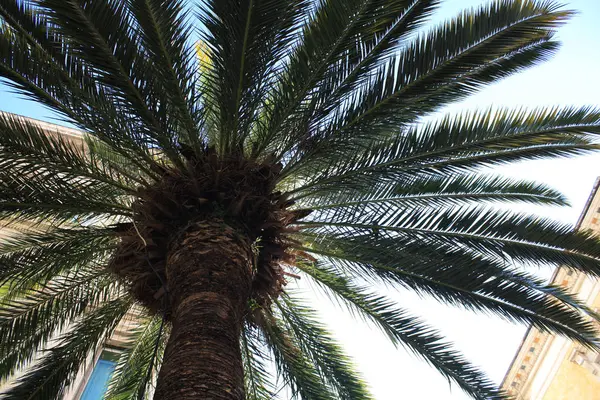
(570, 78)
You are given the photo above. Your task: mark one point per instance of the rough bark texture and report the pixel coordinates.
(209, 275)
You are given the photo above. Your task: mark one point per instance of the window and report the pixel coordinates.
(523, 366)
(98, 381)
(531, 349)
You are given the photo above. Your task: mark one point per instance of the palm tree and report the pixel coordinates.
(300, 144)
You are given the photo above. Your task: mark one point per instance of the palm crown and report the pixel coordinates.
(298, 134)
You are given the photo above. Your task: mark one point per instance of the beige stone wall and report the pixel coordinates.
(577, 377)
(573, 382)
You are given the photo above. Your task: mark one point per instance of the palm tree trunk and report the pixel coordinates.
(209, 276)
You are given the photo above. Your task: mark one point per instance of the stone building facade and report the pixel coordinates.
(550, 367)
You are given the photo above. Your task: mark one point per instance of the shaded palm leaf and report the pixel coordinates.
(259, 382)
(128, 381)
(34, 317)
(298, 372)
(49, 377)
(406, 330)
(321, 349)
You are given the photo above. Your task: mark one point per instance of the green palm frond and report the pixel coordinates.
(129, 377)
(105, 38)
(42, 196)
(320, 154)
(27, 149)
(46, 176)
(258, 379)
(484, 231)
(552, 291)
(32, 318)
(438, 190)
(111, 160)
(405, 330)
(39, 63)
(245, 41)
(292, 364)
(388, 28)
(51, 277)
(463, 280)
(51, 375)
(460, 143)
(63, 296)
(475, 49)
(334, 31)
(164, 30)
(452, 53)
(35, 257)
(323, 352)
